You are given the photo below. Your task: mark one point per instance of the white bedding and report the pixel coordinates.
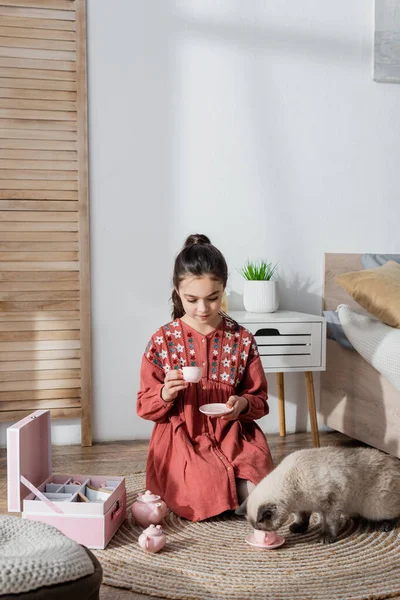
(378, 343)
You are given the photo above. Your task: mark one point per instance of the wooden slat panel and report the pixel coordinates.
(42, 34)
(43, 315)
(86, 384)
(40, 365)
(36, 247)
(18, 336)
(54, 159)
(12, 81)
(36, 13)
(44, 247)
(56, 166)
(38, 325)
(42, 216)
(33, 405)
(39, 394)
(27, 184)
(45, 266)
(38, 384)
(30, 227)
(32, 106)
(37, 44)
(41, 276)
(50, 295)
(53, 129)
(41, 175)
(46, 375)
(40, 236)
(58, 4)
(39, 345)
(56, 147)
(39, 194)
(39, 64)
(10, 69)
(29, 23)
(37, 115)
(37, 94)
(43, 305)
(38, 54)
(40, 130)
(39, 355)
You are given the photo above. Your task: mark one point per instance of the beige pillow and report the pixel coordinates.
(376, 290)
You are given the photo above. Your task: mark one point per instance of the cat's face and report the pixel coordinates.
(267, 516)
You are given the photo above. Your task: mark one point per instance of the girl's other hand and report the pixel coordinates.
(173, 383)
(239, 405)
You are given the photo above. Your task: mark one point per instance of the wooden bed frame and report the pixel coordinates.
(355, 398)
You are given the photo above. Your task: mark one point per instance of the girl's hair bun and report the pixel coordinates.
(196, 238)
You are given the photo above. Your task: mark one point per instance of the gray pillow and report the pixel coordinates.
(335, 331)
(372, 261)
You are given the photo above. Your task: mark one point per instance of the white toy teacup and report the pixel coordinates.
(265, 537)
(192, 374)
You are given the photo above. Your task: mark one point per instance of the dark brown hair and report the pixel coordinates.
(198, 257)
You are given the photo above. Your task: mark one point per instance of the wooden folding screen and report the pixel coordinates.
(44, 245)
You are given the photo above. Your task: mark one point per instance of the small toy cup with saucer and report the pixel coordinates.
(265, 539)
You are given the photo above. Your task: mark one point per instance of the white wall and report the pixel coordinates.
(255, 122)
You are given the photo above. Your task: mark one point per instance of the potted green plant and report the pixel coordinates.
(260, 293)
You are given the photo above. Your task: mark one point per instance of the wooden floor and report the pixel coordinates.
(122, 458)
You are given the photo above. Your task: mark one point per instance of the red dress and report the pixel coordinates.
(193, 459)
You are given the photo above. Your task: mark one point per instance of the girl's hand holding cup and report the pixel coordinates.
(173, 383)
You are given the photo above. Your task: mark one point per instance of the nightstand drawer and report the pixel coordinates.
(288, 345)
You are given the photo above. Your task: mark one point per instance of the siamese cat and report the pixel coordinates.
(334, 481)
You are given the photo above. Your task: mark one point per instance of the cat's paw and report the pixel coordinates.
(386, 525)
(298, 527)
(327, 538)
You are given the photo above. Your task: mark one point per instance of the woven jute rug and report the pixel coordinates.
(210, 560)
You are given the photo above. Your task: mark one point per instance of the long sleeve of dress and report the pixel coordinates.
(150, 404)
(254, 388)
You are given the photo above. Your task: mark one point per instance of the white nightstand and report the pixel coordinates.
(289, 341)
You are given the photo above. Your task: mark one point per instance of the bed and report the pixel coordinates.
(355, 399)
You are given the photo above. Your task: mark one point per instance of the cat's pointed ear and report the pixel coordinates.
(242, 510)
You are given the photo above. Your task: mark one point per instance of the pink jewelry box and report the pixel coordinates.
(53, 498)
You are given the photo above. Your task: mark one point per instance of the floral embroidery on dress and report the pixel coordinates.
(192, 353)
(168, 344)
(172, 347)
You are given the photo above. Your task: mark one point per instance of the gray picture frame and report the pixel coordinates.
(387, 41)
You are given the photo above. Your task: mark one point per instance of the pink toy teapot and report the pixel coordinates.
(149, 509)
(152, 539)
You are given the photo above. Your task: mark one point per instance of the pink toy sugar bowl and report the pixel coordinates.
(149, 509)
(152, 539)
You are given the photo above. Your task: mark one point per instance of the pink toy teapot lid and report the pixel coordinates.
(153, 530)
(148, 496)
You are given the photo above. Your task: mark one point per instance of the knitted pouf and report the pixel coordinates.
(36, 556)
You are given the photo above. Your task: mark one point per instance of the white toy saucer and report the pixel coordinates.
(217, 409)
(252, 542)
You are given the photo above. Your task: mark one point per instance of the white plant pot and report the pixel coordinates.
(260, 296)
